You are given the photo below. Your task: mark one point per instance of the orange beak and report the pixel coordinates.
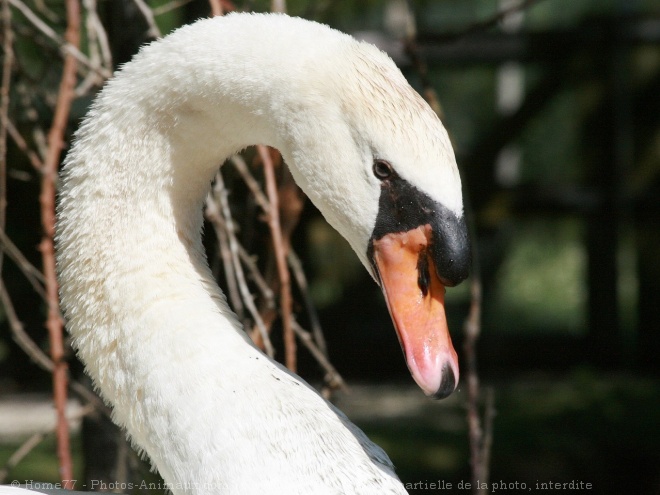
(416, 301)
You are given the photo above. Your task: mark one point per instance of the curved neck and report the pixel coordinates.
(130, 215)
(146, 315)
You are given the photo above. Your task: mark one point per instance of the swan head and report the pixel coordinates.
(380, 167)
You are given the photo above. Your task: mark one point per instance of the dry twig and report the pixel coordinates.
(168, 7)
(332, 377)
(66, 47)
(32, 442)
(488, 23)
(99, 48)
(21, 452)
(7, 65)
(280, 250)
(480, 435)
(216, 8)
(32, 274)
(24, 341)
(154, 30)
(301, 280)
(214, 215)
(32, 156)
(47, 199)
(248, 300)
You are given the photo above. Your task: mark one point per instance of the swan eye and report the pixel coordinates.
(382, 169)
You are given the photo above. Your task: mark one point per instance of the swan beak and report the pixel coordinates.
(416, 300)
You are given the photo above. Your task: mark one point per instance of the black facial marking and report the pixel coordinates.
(403, 207)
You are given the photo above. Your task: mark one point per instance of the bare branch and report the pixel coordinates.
(34, 157)
(257, 278)
(34, 276)
(21, 452)
(33, 441)
(332, 378)
(154, 31)
(492, 21)
(18, 332)
(280, 250)
(216, 8)
(39, 357)
(252, 183)
(99, 47)
(248, 300)
(47, 199)
(278, 6)
(213, 214)
(247, 260)
(301, 280)
(480, 437)
(487, 444)
(7, 65)
(168, 7)
(66, 47)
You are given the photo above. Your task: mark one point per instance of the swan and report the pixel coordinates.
(210, 410)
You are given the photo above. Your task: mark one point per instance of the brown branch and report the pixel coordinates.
(430, 95)
(98, 46)
(332, 377)
(32, 442)
(216, 7)
(252, 183)
(472, 329)
(487, 444)
(246, 259)
(278, 6)
(39, 357)
(33, 156)
(154, 31)
(20, 336)
(248, 300)
(34, 276)
(214, 215)
(19, 454)
(67, 47)
(170, 6)
(488, 23)
(280, 250)
(480, 436)
(7, 66)
(258, 279)
(47, 199)
(301, 280)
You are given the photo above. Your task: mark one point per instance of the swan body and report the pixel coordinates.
(211, 411)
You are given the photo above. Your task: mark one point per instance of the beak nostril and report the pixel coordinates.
(423, 275)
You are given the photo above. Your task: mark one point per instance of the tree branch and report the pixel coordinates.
(280, 250)
(34, 276)
(67, 47)
(154, 30)
(248, 300)
(47, 199)
(7, 65)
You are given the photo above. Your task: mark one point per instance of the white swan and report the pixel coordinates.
(211, 411)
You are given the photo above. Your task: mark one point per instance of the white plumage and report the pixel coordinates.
(211, 411)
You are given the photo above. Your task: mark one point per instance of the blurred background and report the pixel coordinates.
(553, 112)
